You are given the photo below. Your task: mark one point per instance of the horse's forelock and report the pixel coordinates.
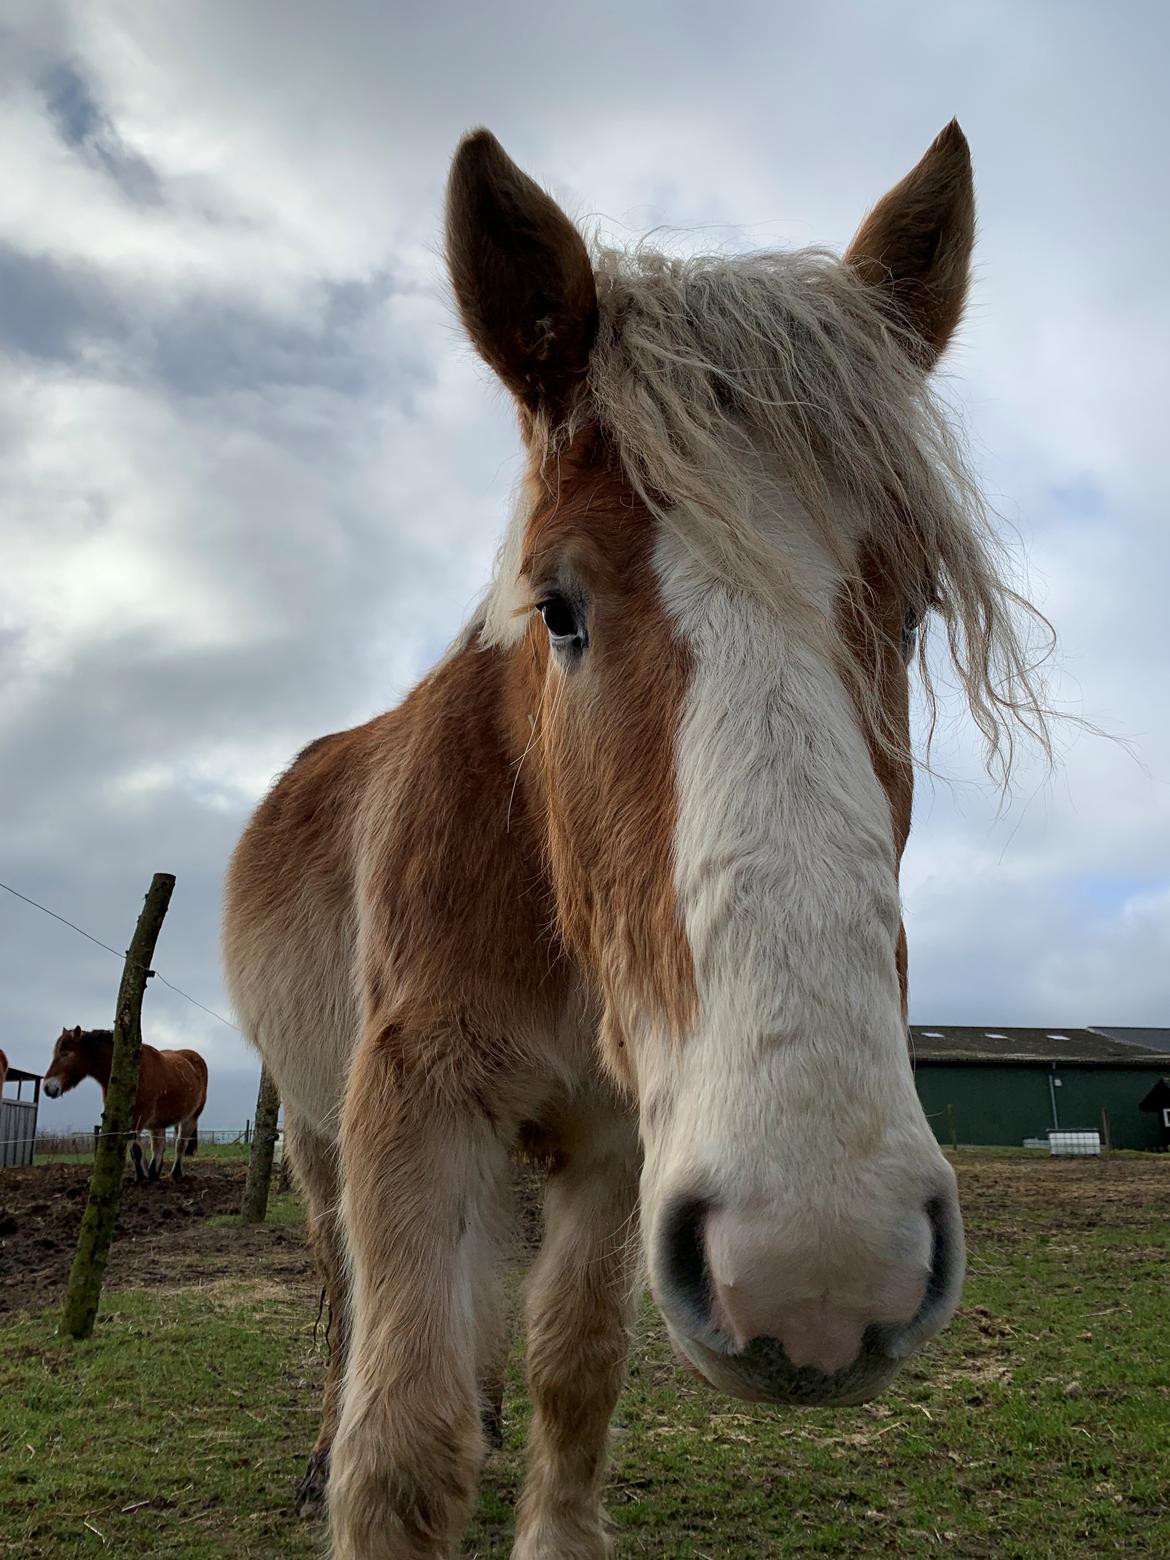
(734, 384)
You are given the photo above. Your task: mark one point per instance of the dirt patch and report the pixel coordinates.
(165, 1235)
(162, 1237)
(1009, 1198)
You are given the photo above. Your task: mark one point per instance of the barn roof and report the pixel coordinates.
(1084, 1047)
(1151, 1039)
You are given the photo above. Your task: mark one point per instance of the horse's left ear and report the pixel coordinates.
(521, 274)
(915, 245)
(77, 1033)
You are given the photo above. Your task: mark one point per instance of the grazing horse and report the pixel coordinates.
(618, 881)
(172, 1091)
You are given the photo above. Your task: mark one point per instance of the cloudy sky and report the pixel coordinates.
(251, 479)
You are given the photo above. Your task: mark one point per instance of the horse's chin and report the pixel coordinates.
(762, 1373)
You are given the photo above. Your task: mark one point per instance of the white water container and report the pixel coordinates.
(1075, 1145)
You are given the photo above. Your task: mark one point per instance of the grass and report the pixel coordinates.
(217, 1151)
(283, 1208)
(1037, 1426)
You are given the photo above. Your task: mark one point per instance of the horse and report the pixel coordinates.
(172, 1091)
(3, 1071)
(618, 881)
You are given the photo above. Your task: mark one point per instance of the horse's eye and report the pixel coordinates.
(560, 620)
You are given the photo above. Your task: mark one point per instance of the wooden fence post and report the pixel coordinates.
(1106, 1140)
(953, 1128)
(255, 1203)
(105, 1188)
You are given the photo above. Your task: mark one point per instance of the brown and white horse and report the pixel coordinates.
(619, 879)
(172, 1091)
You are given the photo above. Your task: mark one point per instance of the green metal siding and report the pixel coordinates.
(996, 1104)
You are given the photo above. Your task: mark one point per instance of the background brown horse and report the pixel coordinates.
(3, 1068)
(172, 1091)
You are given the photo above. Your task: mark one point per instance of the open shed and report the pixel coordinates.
(20, 1098)
(1158, 1101)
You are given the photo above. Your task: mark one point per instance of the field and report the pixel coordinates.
(1038, 1425)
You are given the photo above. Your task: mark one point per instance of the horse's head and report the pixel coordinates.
(70, 1063)
(741, 503)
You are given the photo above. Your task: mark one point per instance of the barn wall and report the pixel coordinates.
(1085, 1090)
(992, 1104)
(1004, 1105)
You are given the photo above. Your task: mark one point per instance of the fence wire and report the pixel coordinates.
(81, 932)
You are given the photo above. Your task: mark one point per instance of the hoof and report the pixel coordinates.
(313, 1485)
(152, 1174)
(177, 1173)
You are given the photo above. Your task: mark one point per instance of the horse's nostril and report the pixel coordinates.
(941, 1256)
(943, 1284)
(684, 1258)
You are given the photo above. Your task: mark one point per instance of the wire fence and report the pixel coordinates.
(50, 1145)
(89, 937)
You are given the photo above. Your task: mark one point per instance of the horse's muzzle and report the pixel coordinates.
(749, 1325)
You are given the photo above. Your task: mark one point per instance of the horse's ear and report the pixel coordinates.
(77, 1033)
(521, 275)
(915, 245)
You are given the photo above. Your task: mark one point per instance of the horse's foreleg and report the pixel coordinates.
(158, 1149)
(424, 1178)
(314, 1164)
(183, 1132)
(580, 1303)
(136, 1156)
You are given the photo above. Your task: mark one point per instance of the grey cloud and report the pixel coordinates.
(45, 307)
(83, 125)
(324, 472)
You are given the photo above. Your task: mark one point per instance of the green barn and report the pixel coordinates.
(1002, 1086)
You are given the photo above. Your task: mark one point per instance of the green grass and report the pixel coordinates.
(217, 1151)
(177, 1430)
(1037, 1426)
(283, 1208)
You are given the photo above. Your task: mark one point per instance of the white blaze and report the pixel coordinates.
(793, 1099)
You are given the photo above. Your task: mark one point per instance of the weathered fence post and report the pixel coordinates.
(953, 1128)
(105, 1188)
(1106, 1140)
(255, 1203)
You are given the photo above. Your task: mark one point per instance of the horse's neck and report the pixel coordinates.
(452, 770)
(99, 1059)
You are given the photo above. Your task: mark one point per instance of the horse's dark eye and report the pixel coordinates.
(559, 618)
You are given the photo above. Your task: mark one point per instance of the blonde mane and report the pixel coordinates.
(712, 375)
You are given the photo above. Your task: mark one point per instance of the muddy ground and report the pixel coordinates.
(166, 1235)
(161, 1237)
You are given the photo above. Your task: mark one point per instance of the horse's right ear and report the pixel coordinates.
(521, 275)
(77, 1033)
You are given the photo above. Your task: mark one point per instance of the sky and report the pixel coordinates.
(252, 478)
